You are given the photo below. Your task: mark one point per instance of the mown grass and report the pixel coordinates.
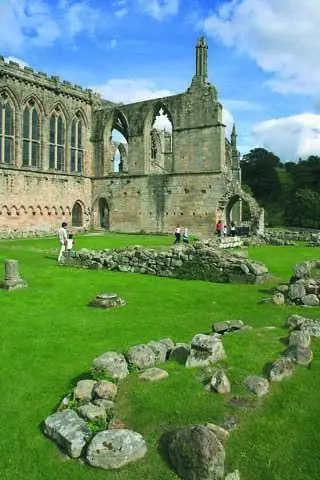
(49, 338)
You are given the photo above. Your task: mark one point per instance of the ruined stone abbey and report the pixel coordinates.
(60, 162)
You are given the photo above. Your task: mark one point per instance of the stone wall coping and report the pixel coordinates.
(27, 73)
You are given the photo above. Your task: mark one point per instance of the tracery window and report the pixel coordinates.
(6, 129)
(77, 150)
(31, 135)
(57, 139)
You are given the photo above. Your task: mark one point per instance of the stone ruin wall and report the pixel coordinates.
(39, 202)
(197, 173)
(157, 203)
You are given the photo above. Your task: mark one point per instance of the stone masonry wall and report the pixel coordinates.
(40, 201)
(197, 262)
(157, 203)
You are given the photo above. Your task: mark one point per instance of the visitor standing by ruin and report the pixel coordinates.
(63, 237)
(185, 236)
(70, 243)
(177, 234)
(219, 228)
(225, 231)
(233, 229)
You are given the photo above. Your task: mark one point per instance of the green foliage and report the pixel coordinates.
(51, 320)
(97, 425)
(194, 270)
(259, 173)
(304, 209)
(100, 373)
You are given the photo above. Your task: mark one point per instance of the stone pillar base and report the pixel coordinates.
(13, 285)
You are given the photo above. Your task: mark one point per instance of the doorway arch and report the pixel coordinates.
(77, 215)
(103, 211)
(229, 209)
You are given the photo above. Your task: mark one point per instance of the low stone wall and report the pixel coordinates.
(12, 234)
(281, 237)
(199, 261)
(229, 242)
(303, 287)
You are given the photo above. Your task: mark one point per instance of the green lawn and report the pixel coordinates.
(49, 338)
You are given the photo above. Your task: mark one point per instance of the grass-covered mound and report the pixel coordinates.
(49, 336)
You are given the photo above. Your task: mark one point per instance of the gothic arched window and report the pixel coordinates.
(77, 150)
(31, 135)
(57, 140)
(6, 129)
(77, 215)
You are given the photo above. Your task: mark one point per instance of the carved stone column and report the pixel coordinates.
(12, 278)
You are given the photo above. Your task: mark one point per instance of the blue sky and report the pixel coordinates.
(263, 56)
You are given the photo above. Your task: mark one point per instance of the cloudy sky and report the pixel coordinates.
(263, 56)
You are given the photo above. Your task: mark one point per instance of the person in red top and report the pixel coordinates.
(219, 228)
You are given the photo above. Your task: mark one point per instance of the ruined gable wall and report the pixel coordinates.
(156, 203)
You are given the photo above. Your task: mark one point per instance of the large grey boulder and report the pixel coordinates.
(141, 356)
(311, 326)
(299, 354)
(296, 290)
(154, 374)
(196, 453)
(168, 343)
(160, 351)
(69, 431)
(205, 350)
(105, 389)
(280, 369)
(92, 412)
(116, 448)
(295, 321)
(300, 337)
(84, 390)
(310, 300)
(112, 364)
(180, 353)
(227, 326)
(220, 383)
(257, 385)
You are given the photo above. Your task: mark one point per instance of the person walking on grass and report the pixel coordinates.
(70, 244)
(63, 237)
(185, 236)
(177, 234)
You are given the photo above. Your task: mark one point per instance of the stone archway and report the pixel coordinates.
(103, 214)
(227, 209)
(77, 215)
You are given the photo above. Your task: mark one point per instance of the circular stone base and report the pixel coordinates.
(107, 300)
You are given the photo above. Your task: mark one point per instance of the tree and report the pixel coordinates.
(306, 173)
(260, 174)
(304, 209)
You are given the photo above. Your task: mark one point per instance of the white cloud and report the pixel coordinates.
(21, 63)
(112, 44)
(129, 90)
(290, 137)
(81, 17)
(159, 9)
(122, 12)
(228, 120)
(282, 36)
(28, 23)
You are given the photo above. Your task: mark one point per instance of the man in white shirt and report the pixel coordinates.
(62, 236)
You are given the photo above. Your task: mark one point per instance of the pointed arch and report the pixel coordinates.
(31, 131)
(57, 137)
(77, 214)
(120, 123)
(158, 154)
(77, 144)
(8, 112)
